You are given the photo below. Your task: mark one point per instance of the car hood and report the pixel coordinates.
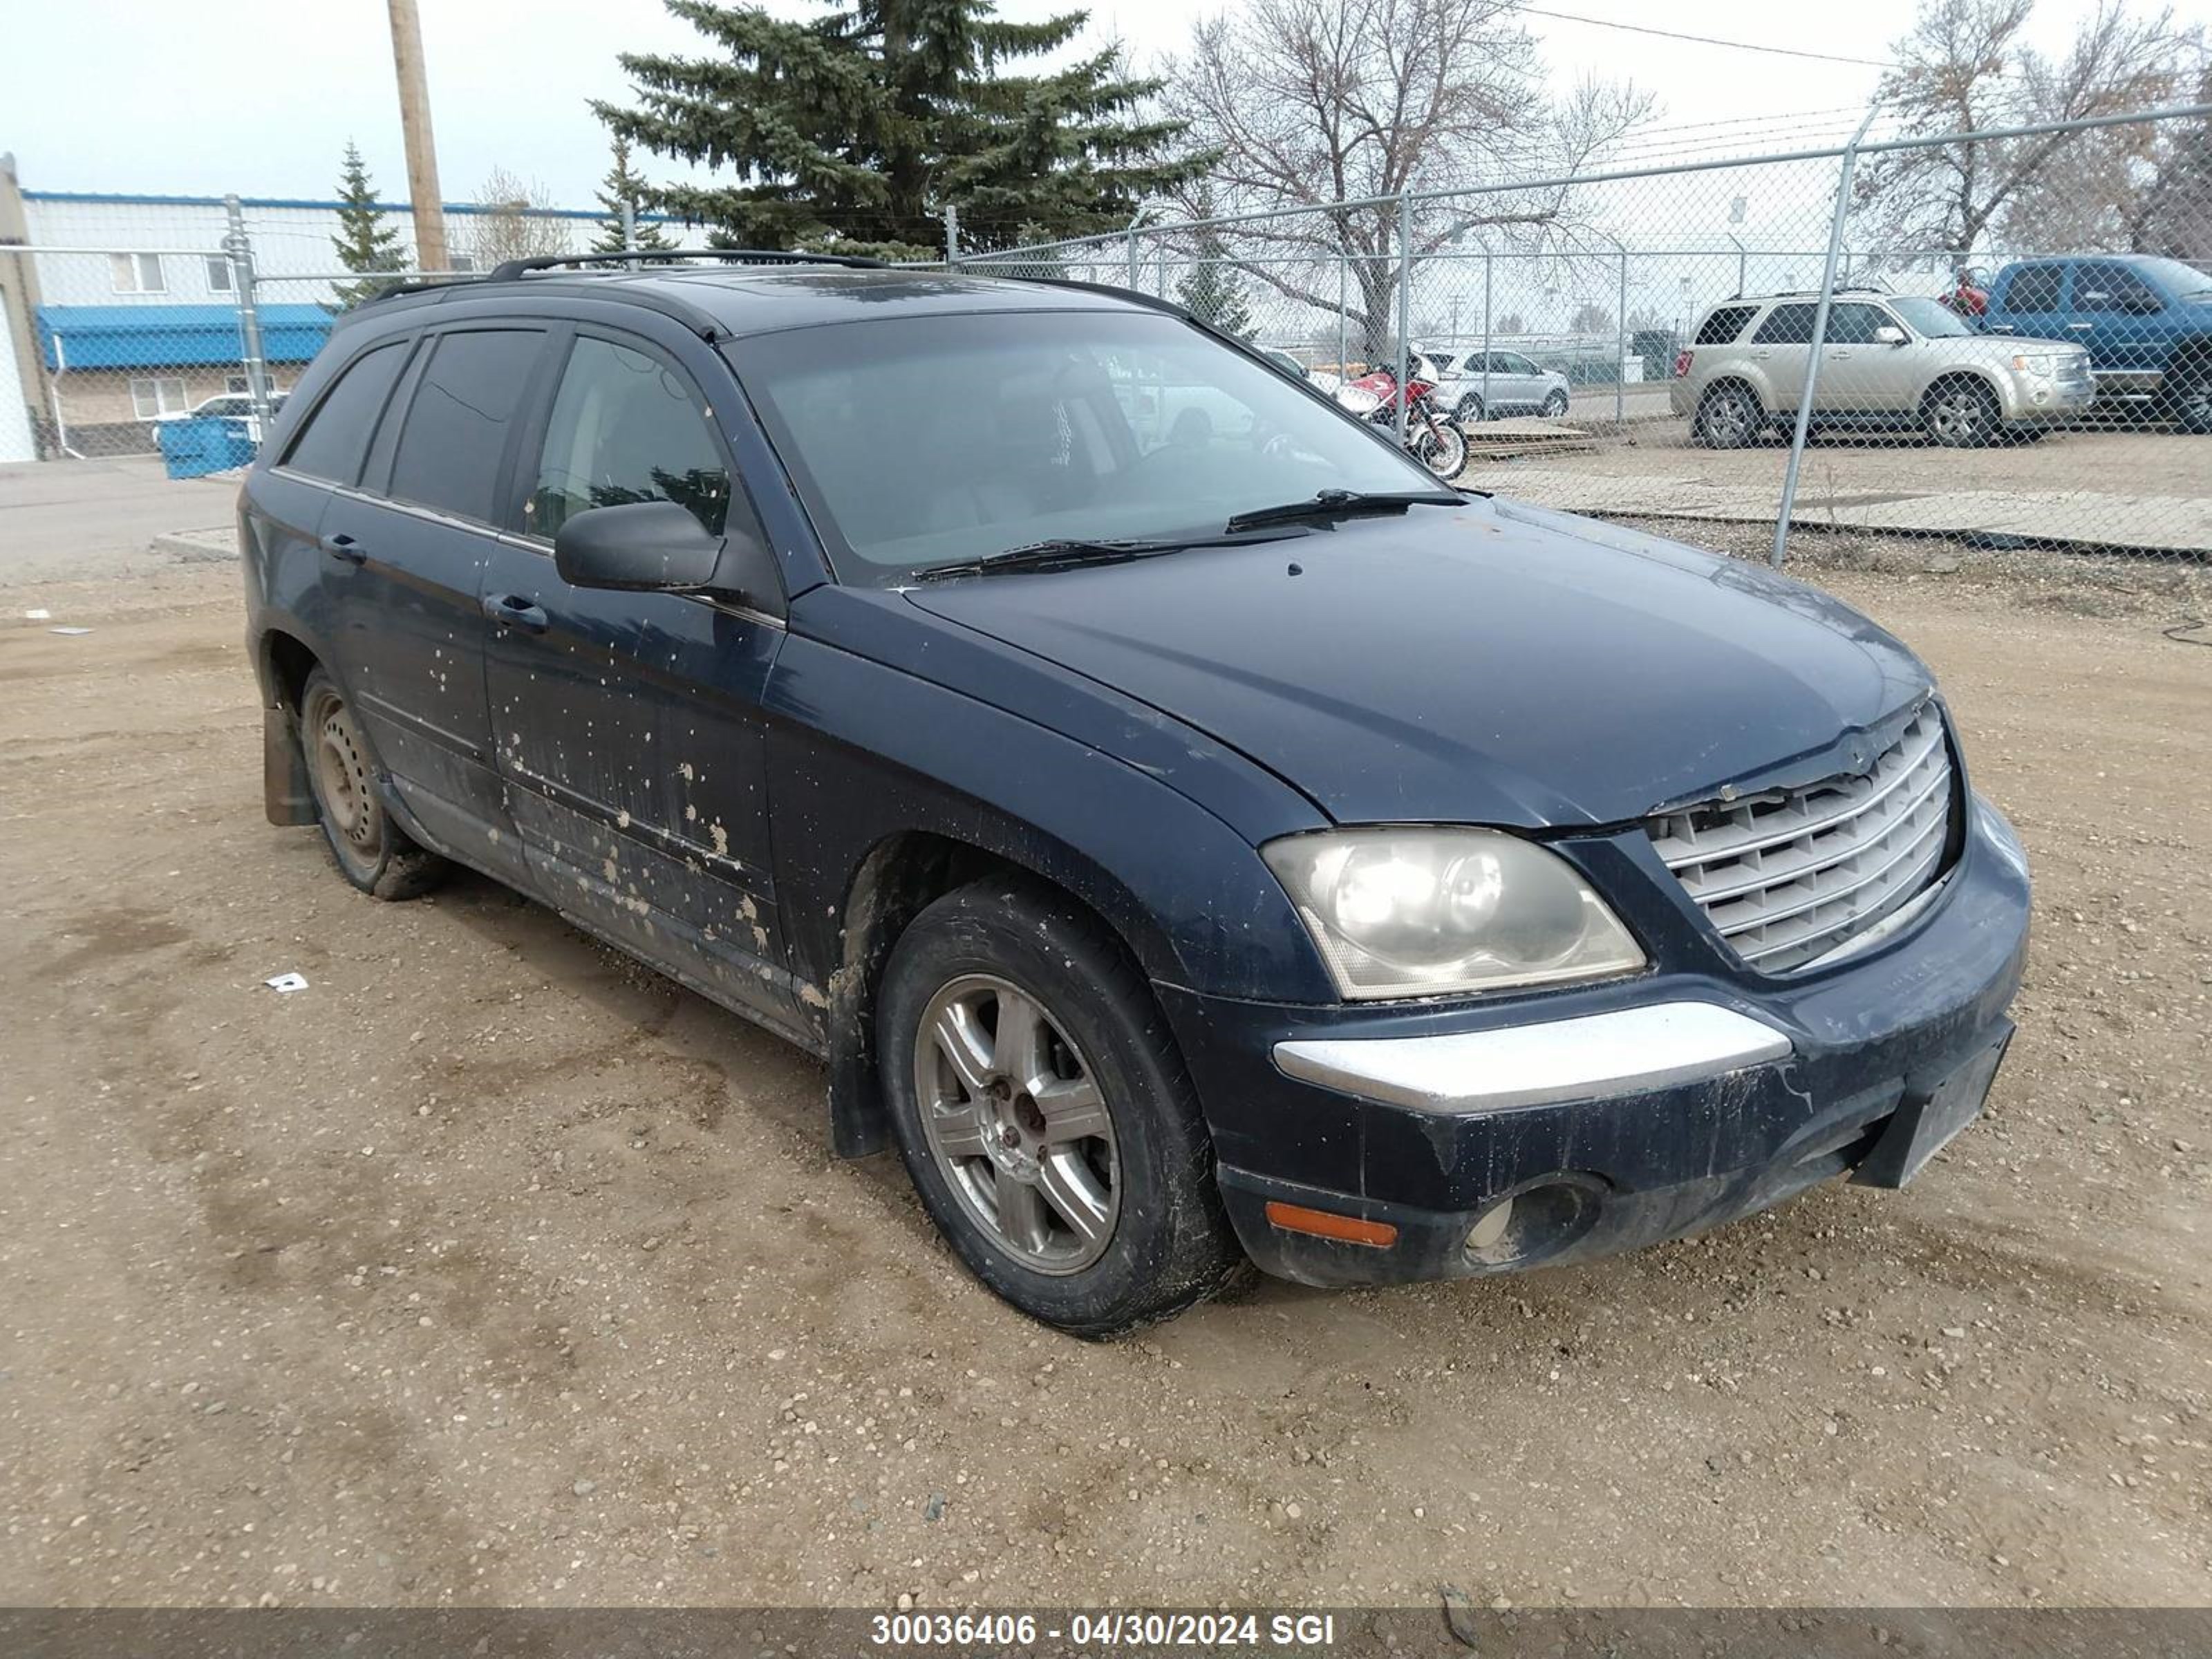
(1489, 664)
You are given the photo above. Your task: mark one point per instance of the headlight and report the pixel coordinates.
(1358, 399)
(2043, 367)
(1406, 913)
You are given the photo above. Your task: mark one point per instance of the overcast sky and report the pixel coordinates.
(260, 96)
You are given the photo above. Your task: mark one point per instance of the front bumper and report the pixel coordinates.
(1613, 1116)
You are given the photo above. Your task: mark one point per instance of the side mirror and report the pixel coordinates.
(644, 547)
(1890, 334)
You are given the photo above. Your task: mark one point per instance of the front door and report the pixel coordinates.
(1860, 374)
(629, 725)
(417, 533)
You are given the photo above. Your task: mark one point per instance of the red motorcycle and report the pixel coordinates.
(1434, 442)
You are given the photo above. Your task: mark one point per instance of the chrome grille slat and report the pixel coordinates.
(1892, 770)
(1790, 877)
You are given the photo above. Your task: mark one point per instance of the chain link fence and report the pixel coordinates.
(1738, 352)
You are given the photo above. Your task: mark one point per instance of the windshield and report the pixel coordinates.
(918, 439)
(1930, 319)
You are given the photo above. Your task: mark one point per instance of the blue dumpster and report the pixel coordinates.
(194, 448)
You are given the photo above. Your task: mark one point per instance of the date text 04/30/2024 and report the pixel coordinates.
(1114, 1628)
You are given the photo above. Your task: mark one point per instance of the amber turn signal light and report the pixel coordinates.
(1322, 1224)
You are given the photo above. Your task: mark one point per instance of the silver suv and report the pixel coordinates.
(1889, 361)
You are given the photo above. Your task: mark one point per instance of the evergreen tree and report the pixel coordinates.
(623, 187)
(857, 128)
(1212, 291)
(364, 242)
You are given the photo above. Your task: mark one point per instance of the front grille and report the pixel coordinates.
(1790, 876)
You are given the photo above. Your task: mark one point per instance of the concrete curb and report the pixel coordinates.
(197, 546)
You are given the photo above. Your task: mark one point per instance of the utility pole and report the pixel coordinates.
(421, 144)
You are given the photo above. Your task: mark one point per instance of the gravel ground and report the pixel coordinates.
(492, 1268)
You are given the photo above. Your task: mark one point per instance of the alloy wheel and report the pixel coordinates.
(1017, 1124)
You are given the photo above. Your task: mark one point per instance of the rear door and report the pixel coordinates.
(1781, 349)
(629, 725)
(418, 531)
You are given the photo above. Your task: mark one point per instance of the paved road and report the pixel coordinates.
(62, 520)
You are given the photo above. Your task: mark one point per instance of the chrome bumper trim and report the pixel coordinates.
(1628, 1051)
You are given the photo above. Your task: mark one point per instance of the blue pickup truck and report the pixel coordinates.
(2147, 323)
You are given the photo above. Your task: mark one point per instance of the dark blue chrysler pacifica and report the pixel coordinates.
(1187, 832)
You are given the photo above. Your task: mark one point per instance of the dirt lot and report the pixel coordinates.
(492, 1268)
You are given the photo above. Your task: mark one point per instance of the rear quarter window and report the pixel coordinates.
(1724, 324)
(330, 445)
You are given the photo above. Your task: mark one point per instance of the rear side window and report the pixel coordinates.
(1724, 324)
(1790, 324)
(458, 421)
(626, 427)
(2035, 288)
(329, 446)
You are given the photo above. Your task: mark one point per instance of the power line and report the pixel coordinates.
(1704, 40)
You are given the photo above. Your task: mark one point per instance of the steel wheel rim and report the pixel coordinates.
(341, 772)
(1017, 1124)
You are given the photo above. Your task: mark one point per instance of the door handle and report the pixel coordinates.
(2003, 328)
(2081, 328)
(343, 546)
(513, 610)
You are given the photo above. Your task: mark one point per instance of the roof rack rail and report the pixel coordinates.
(507, 269)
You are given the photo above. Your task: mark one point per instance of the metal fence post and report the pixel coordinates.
(1136, 265)
(1742, 264)
(1620, 347)
(1485, 333)
(1819, 338)
(1343, 312)
(629, 226)
(240, 248)
(951, 234)
(1404, 304)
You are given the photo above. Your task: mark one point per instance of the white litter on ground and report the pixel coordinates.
(287, 982)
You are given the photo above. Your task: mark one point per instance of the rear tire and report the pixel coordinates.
(1555, 406)
(1068, 1165)
(1728, 418)
(1961, 414)
(371, 852)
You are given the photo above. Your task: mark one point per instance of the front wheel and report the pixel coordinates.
(1961, 414)
(1438, 446)
(1469, 412)
(1044, 1115)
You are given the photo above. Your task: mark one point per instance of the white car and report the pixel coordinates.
(224, 405)
(1510, 385)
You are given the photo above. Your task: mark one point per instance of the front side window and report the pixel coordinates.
(920, 440)
(157, 395)
(2114, 288)
(1930, 319)
(1854, 325)
(457, 423)
(2035, 288)
(1790, 324)
(329, 446)
(136, 273)
(626, 427)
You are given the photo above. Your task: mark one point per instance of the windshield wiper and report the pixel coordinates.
(1065, 554)
(1343, 504)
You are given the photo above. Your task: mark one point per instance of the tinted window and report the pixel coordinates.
(2035, 288)
(456, 423)
(2114, 288)
(626, 427)
(329, 446)
(1724, 324)
(1854, 325)
(1791, 325)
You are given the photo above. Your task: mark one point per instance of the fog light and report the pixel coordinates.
(1490, 1227)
